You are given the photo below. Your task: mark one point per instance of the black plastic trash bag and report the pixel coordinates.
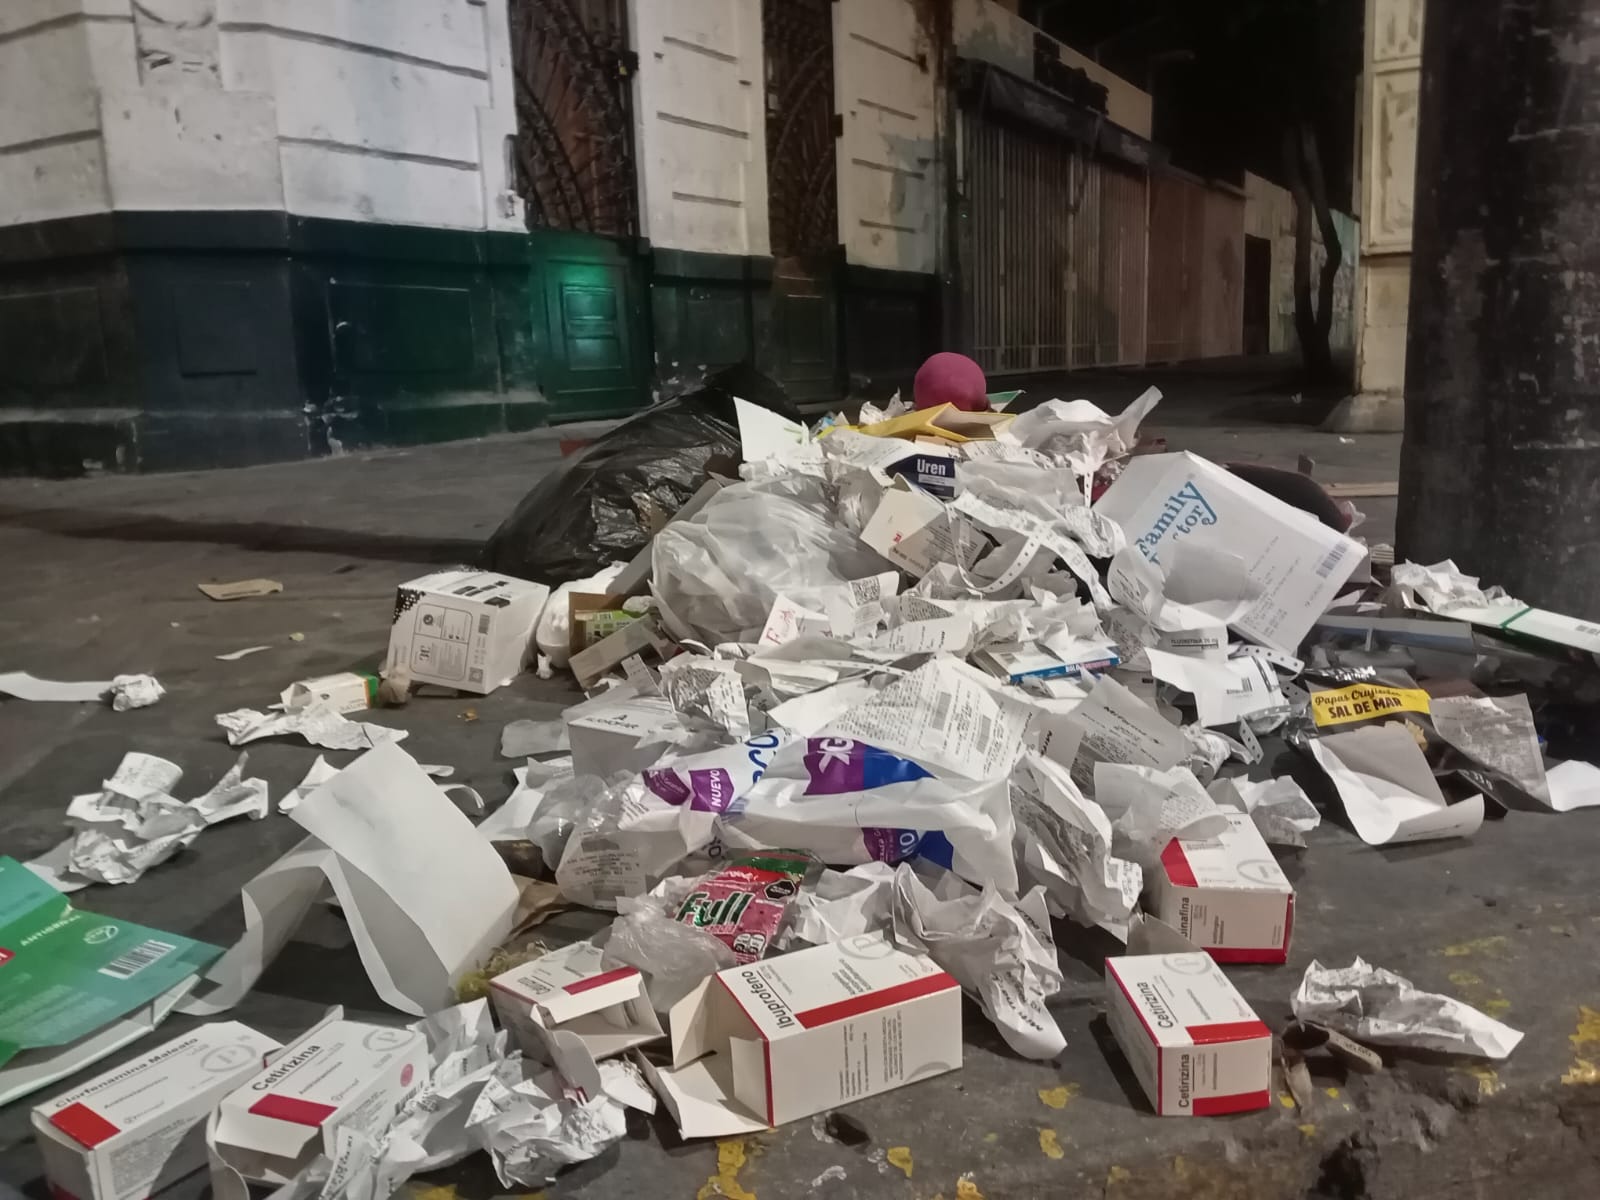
(602, 504)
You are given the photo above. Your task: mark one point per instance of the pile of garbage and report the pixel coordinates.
(869, 707)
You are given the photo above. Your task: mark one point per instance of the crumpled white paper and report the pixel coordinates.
(320, 726)
(1377, 1006)
(1148, 808)
(135, 691)
(1064, 843)
(1080, 434)
(1001, 953)
(1444, 587)
(1279, 807)
(841, 904)
(133, 823)
(531, 1124)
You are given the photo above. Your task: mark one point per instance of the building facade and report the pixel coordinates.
(234, 231)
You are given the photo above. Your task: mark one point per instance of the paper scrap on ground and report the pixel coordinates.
(27, 687)
(133, 823)
(320, 772)
(1002, 954)
(1279, 807)
(319, 726)
(519, 739)
(1148, 808)
(1498, 733)
(1388, 789)
(236, 655)
(425, 897)
(1379, 1007)
(241, 589)
(1574, 784)
(135, 691)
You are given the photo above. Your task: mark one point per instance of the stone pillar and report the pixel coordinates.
(1501, 465)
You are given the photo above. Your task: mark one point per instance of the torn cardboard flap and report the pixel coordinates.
(782, 1038)
(568, 1009)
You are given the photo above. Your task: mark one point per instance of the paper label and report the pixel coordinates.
(1363, 701)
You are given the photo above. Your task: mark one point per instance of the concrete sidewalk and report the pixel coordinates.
(102, 576)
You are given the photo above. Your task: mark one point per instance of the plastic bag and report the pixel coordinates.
(718, 573)
(602, 504)
(553, 633)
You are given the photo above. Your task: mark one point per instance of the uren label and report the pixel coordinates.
(1196, 1047)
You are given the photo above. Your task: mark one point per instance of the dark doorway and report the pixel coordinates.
(1257, 295)
(803, 201)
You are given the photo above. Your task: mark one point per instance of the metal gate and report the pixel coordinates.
(1196, 270)
(574, 145)
(1054, 253)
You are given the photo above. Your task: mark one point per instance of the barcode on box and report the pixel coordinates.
(126, 966)
(941, 711)
(483, 624)
(1331, 561)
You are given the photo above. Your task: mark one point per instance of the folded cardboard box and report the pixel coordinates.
(567, 1009)
(341, 1074)
(136, 1129)
(346, 692)
(1197, 1048)
(1227, 894)
(1021, 661)
(783, 1038)
(1298, 563)
(465, 629)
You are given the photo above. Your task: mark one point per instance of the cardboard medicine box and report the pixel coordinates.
(465, 629)
(782, 1038)
(340, 1074)
(1227, 894)
(136, 1129)
(567, 1009)
(1197, 1048)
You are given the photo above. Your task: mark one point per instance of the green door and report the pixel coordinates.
(588, 319)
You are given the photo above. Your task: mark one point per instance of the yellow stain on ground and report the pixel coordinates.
(730, 1161)
(900, 1156)
(1308, 1130)
(1588, 1031)
(447, 1192)
(1488, 1079)
(1583, 1072)
(1497, 1006)
(1117, 1175)
(1285, 1099)
(1465, 979)
(1058, 1097)
(1331, 1093)
(1050, 1144)
(1490, 947)
(967, 1189)
(991, 1138)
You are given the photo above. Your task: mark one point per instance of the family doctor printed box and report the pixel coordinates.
(464, 629)
(136, 1129)
(1166, 500)
(1227, 894)
(786, 1037)
(340, 1074)
(1196, 1047)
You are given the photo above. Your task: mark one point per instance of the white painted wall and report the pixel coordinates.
(1391, 96)
(990, 33)
(700, 124)
(368, 110)
(1269, 213)
(884, 71)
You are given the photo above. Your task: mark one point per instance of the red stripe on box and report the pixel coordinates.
(59, 1192)
(1288, 927)
(84, 1126)
(1137, 1011)
(842, 1010)
(1221, 1106)
(1176, 864)
(296, 1112)
(1227, 1031)
(1248, 954)
(760, 1032)
(600, 980)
